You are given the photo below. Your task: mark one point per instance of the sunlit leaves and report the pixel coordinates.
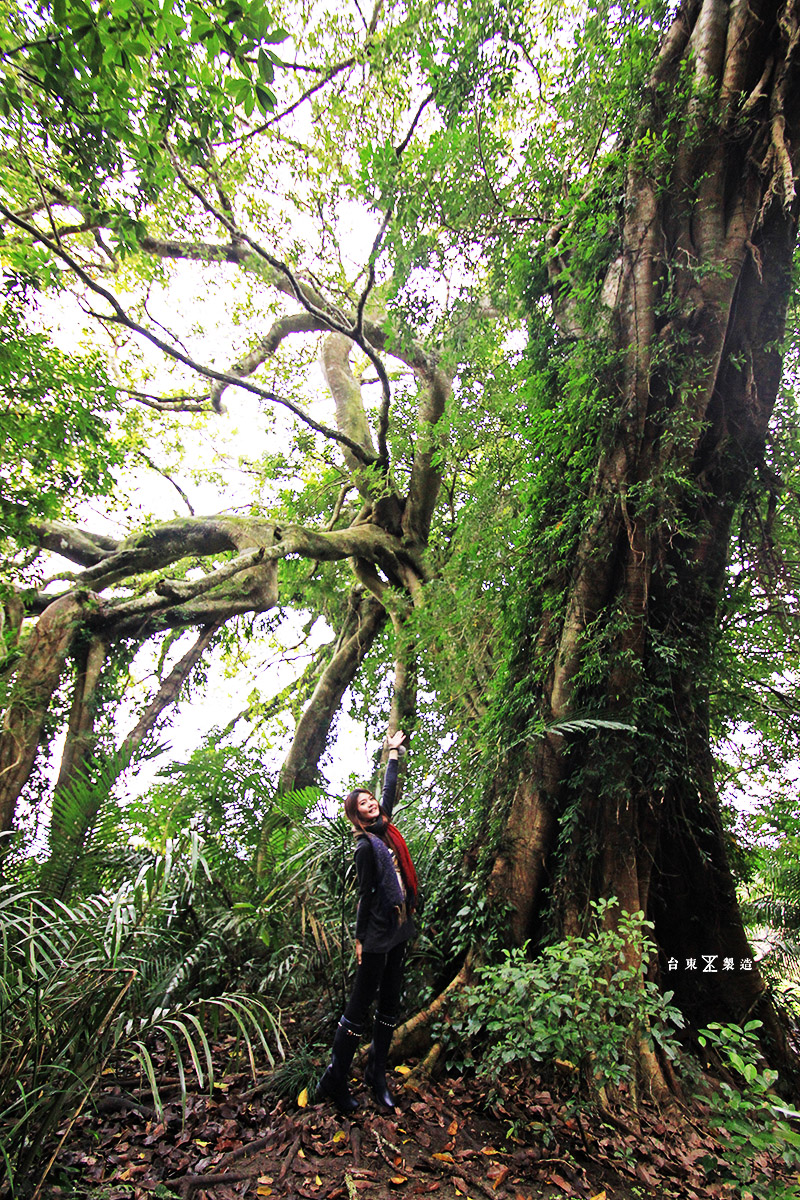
(59, 436)
(105, 88)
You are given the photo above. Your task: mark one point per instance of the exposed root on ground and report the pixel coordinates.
(413, 1037)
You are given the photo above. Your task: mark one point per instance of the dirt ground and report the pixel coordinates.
(448, 1138)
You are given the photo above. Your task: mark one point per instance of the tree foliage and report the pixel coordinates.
(60, 428)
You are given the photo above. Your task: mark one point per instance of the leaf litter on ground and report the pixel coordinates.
(449, 1138)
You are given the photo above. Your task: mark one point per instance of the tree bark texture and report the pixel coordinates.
(36, 679)
(74, 808)
(696, 303)
(244, 583)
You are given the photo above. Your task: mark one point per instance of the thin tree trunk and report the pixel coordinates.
(37, 677)
(365, 619)
(170, 689)
(74, 807)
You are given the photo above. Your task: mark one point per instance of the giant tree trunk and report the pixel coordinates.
(697, 299)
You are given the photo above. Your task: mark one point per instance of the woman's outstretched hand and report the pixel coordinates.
(396, 740)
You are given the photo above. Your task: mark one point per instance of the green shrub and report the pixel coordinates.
(584, 1002)
(746, 1115)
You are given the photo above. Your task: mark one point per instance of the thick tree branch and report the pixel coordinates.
(351, 418)
(302, 322)
(209, 252)
(46, 652)
(403, 711)
(202, 537)
(69, 541)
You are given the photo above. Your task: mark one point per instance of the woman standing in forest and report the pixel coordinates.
(387, 894)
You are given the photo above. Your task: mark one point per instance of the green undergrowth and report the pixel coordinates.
(90, 989)
(577, 1017)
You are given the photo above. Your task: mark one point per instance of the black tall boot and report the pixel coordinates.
(375, 1074)
(333, 1083)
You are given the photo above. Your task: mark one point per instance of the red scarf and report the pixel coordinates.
(404, 861)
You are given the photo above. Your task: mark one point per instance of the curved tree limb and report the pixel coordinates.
(364, 620)
(248, 583)
(69, 541)
(358, 337)
(302, 322)
(119, 316)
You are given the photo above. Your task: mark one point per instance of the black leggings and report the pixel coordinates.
(378, 975)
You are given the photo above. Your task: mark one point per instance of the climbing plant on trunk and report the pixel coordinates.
(671, 319)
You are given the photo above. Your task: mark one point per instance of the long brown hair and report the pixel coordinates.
(351, 808)
(393, 837)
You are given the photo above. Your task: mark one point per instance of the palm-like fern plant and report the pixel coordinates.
(770, 904)
(86, 987)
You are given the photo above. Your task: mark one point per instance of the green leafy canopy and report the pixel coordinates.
(104, 86)
(60, 435)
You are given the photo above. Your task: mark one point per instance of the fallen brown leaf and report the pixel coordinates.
(646, 1176)
(560, 1182)
(497, 1174)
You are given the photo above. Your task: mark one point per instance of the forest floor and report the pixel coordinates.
(451, 1138)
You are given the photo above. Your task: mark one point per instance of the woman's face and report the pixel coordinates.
(368, 807)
